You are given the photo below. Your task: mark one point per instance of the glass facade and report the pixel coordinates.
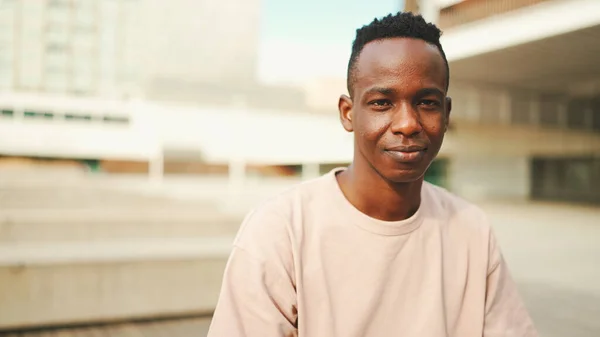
(566, 178)
(65, 46)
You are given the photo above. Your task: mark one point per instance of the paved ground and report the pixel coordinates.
(553, 252)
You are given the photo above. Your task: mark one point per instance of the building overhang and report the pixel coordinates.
(551, 46)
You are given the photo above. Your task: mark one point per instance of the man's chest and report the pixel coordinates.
(422, 282)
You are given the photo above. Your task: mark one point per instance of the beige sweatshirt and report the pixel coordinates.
(307, 263)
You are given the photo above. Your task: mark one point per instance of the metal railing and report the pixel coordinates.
(472, 10)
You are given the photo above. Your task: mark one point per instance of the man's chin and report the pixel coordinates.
(404, 176)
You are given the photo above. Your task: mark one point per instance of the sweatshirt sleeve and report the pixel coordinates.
(505, 312)
(258, 296)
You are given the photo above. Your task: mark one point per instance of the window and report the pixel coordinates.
(550, 111)
(566, 178)
(57, 48)
(576, 113)
(75, 117)
(578, 175)
(116, 120)
(84, 29)
(596, 113)
(6, 113)
(38, 115)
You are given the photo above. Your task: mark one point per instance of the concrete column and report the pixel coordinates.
(562, 115)
(156, 168)
(18, 114)
(310, 170)
(237, 176)
(58, 116)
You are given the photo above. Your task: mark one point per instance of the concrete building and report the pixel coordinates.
(525, 121)
(72, 71)
(66, 46)
(526, 92)
(116, 49)
(198, 51)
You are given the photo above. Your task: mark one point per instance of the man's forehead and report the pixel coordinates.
(398, 50)
(400, 57)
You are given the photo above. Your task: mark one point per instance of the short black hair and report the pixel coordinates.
(402, 24)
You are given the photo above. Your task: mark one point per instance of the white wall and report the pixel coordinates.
(219, 134)
(261, 137)
(74, 140)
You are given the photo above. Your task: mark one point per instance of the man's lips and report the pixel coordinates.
(407, 148)
(406, 153)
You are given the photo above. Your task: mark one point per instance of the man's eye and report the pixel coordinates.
(380, 102)
(430, 103)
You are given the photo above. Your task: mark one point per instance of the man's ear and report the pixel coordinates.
(447, 112)
(345, 109)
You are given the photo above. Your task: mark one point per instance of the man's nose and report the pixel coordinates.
(406, 120)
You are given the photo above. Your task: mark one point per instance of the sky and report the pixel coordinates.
(309, 39)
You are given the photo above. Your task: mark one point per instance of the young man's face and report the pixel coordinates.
(399, 111)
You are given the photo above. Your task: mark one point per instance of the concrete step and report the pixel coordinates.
(80, 283)
(94, 224)
(61, 197)
(169, 327)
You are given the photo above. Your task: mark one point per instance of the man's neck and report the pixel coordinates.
(378, 198)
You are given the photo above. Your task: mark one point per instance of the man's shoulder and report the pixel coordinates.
(446, 199)
(274, 218)
(456, 209)
(297, 197)
(268, 229)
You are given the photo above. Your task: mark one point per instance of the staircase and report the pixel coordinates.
(79, 251)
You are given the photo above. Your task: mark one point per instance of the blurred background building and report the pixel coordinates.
(526, 83)
(107, 62)
(134, 135)
(121, 67)
(118, 49)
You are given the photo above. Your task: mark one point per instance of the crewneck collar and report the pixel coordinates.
(368, 223)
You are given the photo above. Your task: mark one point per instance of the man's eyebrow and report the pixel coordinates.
(430, 91)
(381, 90)
(390, 91)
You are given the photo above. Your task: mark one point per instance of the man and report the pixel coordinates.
(372, 250)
